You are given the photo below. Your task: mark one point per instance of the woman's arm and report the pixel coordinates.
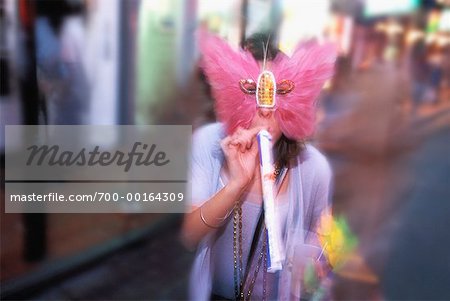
(209, 216)
(320, 198)
(240, 151)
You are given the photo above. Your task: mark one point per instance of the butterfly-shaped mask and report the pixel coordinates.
(237, 83)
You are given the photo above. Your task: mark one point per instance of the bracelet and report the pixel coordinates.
(204, 220)
(226, 216)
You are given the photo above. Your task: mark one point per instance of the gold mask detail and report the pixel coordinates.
(266, 88)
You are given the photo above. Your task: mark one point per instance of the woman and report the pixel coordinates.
(225, 221)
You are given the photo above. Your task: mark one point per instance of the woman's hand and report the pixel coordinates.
(241, 154)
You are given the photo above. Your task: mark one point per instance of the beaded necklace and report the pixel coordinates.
(237, 255)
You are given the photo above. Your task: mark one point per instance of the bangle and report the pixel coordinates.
(205, 222)
(226, 216)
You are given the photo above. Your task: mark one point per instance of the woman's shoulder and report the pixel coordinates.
(211, 132)
(208, 137)
(215, 128)
(314, 162)
(310, 154)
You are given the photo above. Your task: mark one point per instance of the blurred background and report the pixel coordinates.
(383, 122)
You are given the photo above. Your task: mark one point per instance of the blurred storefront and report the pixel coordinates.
(65, 62)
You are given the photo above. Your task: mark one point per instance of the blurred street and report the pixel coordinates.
(153, 268)
(157, 267)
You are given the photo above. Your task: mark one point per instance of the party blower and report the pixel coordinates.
(275, 250)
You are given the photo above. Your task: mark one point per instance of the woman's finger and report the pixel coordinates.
(240, 143)
(242, 139)
(246, 141)
(252, 132)
(250, 136)
(227, 145)
(224, 143)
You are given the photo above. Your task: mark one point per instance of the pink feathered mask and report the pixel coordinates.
(297, 81)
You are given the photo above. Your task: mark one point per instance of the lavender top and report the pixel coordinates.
(223, 278)
(307, 198)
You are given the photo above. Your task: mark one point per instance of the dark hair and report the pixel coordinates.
(286, 150)
(256, 43)
(57, 10)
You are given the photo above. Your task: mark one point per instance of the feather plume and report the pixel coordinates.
(224, 67)
(309, 67)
